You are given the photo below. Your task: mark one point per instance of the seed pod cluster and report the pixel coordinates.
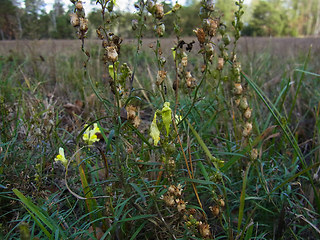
(78, 20)
(173, 198)
(208, 30)
(240, 99)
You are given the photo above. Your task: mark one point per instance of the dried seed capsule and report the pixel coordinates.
(204, 230)
(200, 35)
(244, 103)
(83, 24)
(79, 6)
(215, 210)
(238, 89)
(172, 189)
(159, 11)
(181, 205)
(160, 29)
(74, 20)
(209, 5)
(220, 63)
(104, 43)
(112, 54)
(221, 202)
(134, 24)
(184, 61)
(99, 34)
(254, 154)
(209, 49)
(150, 6)
(247, 129)
(247, 113)
(161, 76)
(237, 101)
(210, 26)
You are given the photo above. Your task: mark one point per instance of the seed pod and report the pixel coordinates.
(247, 129)
(254, 154)
(150, 6)
(181, 205)
(220, 63)
(204, 230)
(200, 35)
(160, 29)
(247, 113)
(215, 210)
(112, 54)
(221, 202)
(244, 103)
(184, 61)
(237, 88)
(209, 49)
(83, 25)
(172, 189)
(104, 43)
(161, 76)
(74, 20)
(162, 60)
(79, 6)
(237, 101)
(99, 34)
(134, 24)
(210, 26)
(209, 5)
(159, 10)
(203, 68)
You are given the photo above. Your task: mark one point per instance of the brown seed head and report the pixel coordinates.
(247, 129)
(184, 61)
(247, 113)
(210, 26)
(79, 6)
(181, 205)
(254, 154)
(112, 54)
(159, 10)
(220, 63)
(161, 76)
(204, 229)
(215, 210)
(221, 202)
(83, 25)
(200, 35)
(74, 20)
(238, 88)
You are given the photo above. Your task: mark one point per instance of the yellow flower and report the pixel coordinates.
(166, 116)
(90, 136)
(60, 157)
(154, 131)
(177, 118)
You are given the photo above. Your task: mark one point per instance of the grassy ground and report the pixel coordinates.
(120, 187)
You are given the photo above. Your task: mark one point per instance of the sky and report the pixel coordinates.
(121, 4)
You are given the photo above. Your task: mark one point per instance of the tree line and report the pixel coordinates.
(261, 18)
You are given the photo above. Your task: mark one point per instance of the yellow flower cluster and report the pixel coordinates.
(90, 135)
(60, 157)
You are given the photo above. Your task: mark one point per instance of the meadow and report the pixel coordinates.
(164, 140)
